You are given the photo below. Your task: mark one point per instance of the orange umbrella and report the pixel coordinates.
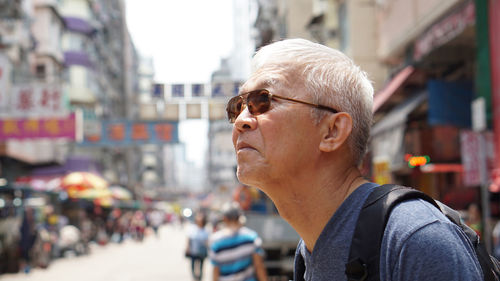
(121, 193)
(76, 182)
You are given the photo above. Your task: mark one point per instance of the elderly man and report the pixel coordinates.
(301, 126)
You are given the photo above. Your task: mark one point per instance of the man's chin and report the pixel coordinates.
(246, 175)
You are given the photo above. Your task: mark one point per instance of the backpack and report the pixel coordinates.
(364, 256)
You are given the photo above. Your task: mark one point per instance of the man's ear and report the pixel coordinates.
(336, 129)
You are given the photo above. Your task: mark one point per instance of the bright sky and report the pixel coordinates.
(186, 38)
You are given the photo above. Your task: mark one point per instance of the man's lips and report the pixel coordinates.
(243, 146)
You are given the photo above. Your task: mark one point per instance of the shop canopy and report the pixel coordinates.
(76, 182)
(382, 96)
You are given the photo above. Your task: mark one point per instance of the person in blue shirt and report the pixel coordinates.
(197, 247)
(235, 250)
(301, 127)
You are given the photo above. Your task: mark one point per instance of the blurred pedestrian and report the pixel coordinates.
(138, 225)
(197, 245)
(156, 219)
(28, 237)
(474, 218)
(235, 250)
(496, 240)
(301, 128)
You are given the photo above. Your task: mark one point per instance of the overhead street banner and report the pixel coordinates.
(51, 128)
(124, 133)
(186, 91)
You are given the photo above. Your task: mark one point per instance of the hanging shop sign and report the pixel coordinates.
(417, 161)
(51, 128)
(444, 31)
(382, 170)
(475, 148)
(36, 100)
(112, 133)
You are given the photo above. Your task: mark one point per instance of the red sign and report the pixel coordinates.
(38, 128)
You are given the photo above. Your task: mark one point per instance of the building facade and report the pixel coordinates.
(64, 59)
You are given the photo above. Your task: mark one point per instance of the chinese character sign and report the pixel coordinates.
(228, 89)
(178, 90)
(158, 90)
(133, 133)
(217, 90)
(38, 128)
(197, 90)
(140, 131)
(116, 132)
(37, 100)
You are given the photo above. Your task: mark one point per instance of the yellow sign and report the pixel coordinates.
(381, 172)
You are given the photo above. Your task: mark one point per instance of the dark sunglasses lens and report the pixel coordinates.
(258, 102)
(234, 108)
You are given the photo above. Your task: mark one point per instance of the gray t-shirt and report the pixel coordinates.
(419, 243)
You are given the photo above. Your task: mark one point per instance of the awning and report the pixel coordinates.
(78, 25)
(383, 95)
(388, 134)
(399, 114)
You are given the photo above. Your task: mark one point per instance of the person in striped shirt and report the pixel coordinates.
(235, 250)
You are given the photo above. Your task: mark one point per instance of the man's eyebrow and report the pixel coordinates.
(266, 84)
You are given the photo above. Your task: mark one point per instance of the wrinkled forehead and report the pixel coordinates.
(273, 77)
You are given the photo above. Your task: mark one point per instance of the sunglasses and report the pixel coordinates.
(258, 102)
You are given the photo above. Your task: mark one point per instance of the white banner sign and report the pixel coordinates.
(37, 100)
(469, 144)
(4, 82)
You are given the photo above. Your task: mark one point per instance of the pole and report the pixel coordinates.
(484, 19)
(494, 47)
(485, 193)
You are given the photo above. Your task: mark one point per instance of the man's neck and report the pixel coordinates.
(311, 204)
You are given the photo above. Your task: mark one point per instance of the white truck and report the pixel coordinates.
(279, 241)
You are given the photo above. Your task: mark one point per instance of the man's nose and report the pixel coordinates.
(245, 121)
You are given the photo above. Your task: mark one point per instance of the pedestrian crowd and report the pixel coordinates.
(35, 236)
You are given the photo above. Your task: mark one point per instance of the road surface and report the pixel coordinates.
(155, 259)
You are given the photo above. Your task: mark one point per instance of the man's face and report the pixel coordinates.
(278, 144)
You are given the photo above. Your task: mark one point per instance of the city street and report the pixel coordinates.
(154, 259)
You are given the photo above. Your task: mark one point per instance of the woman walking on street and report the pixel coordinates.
(197, 245)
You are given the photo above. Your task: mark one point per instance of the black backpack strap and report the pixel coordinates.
(489, 264)
(364, 257)
(299, 267)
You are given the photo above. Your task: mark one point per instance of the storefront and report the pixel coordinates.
(425, 107)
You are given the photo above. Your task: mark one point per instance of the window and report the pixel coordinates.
(40, 71)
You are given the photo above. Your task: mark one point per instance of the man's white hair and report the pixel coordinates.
(330, 77)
